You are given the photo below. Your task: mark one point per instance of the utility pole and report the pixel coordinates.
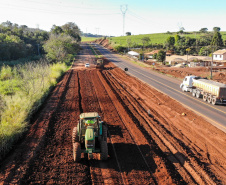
(123, 10)
(211, 70)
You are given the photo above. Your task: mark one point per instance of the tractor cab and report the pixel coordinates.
(92, 120)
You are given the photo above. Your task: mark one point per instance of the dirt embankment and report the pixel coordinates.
(197, 71)
(104, 42)
(152, 138)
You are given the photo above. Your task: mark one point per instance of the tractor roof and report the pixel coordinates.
(89, 115)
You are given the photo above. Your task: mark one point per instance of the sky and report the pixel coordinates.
(105, 17)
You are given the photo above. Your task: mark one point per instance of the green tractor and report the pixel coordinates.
(90, 136)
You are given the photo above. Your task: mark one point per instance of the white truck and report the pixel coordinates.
(211, 91)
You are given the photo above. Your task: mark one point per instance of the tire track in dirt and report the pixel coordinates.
(114, 122)
(55, 165)
(182, 144)
(32, 161)
(101, 88)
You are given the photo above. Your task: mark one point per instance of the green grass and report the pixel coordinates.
(23, 89)
(88, 39)
(157, 38)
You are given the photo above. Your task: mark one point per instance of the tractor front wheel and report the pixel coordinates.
(103, 150)
(76, 152)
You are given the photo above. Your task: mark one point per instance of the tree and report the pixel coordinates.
(170, 41)
(161, 56)
(145, 41)
(72, 29)
(177, 38)
(59, 47)
(204, 51)
(128, 33)
(216, 29)
(217, 39)
(181, 31)
(204, 40)
(129, 42)
(119, 48)
(203, 30)
(155, 56)
(56, 29)
(189, 41)
(7, 24)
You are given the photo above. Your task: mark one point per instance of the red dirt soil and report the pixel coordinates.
(152, 138)
(197, 71)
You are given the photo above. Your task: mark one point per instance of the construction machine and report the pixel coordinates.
(90, 136)
(99, 61)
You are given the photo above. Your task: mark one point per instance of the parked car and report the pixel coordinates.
(87, 65)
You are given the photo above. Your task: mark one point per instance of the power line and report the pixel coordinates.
(53, 11)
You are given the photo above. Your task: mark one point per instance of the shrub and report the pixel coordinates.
(21, 95)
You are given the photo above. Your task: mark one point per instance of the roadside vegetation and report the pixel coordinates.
(25, 83)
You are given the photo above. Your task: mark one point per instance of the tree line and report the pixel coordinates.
(20, 41)
(205, 45)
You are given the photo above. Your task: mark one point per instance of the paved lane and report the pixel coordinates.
(216, 114)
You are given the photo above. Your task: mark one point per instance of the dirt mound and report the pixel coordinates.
(220, 77)
(197, 71)
(104, 42)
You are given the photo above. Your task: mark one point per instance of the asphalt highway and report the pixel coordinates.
(215, 114)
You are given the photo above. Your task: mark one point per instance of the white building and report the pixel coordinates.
(219, 55)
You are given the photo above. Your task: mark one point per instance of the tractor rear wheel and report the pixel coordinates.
(74, 135)
(76, 152)
(104, 132)
(103, 150)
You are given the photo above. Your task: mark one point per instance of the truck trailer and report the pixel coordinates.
(211, 91)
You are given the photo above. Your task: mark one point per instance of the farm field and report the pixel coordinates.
(88, 39)
(152, 138)
(156, 38)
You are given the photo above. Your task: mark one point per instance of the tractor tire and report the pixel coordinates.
(104, 133)
(103, 150)
(76, 152)
(75, 135)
